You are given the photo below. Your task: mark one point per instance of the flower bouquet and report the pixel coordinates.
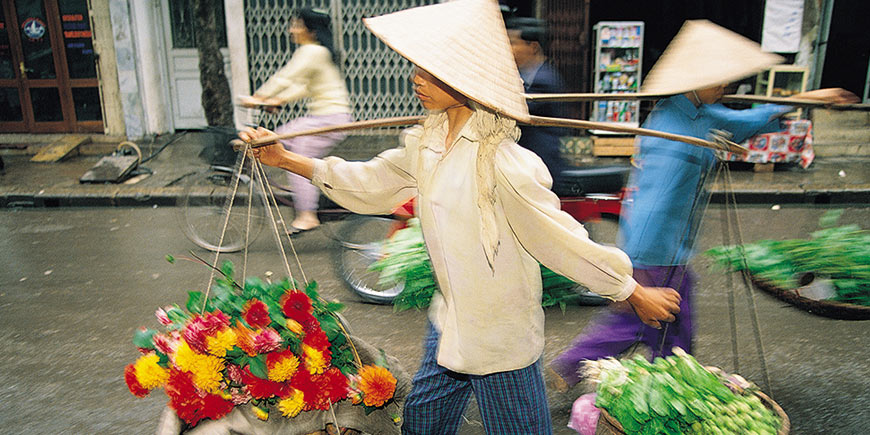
(269, 346)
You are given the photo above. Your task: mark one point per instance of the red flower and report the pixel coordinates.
(263, 388)
(296, 305)
(316, 339)
(197, 331)
(215, 406)
(132, 383)
(183, 396)
(256, 314)
(324, 389)
(192, 404)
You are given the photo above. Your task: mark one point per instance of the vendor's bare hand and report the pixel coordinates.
(829, 95)
(655, 304)
(271, 154)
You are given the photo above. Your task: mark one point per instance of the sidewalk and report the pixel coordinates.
(828, 180)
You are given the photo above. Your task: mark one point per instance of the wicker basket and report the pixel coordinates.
(832, 309)
(607, 425)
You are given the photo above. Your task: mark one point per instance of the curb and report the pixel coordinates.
(162, 197)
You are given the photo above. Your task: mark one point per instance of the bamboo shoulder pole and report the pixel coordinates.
(788, 101)
(719, 144)
(238, 144)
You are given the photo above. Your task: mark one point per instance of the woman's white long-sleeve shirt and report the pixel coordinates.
(490, 320)
(310, 73)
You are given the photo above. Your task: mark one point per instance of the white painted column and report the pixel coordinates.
(147, 30)
(237, 44)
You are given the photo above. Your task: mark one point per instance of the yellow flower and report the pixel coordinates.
(294, 326)
(314, 360)
(261, 413)
(220, 343)
(149, 374)
(292, 405)
(185, 357)
(208, 373)
(284, 369)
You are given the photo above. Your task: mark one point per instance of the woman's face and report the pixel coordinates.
(712, 94)
(300, 34)
(433, 93)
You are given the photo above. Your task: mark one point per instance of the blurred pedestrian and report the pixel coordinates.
(528, 37)
(487, 216)
(668, 186)
(311, 73)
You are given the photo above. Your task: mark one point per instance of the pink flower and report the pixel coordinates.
(198, 329)
(162, 317)
(239, 396)
(164, 344)
(267, 340)
(234, 373)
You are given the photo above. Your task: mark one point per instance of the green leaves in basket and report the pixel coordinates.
(675, 395)
(143, 338)
(841, 254)
(405, 260)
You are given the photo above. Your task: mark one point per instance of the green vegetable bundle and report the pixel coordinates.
(406, 260)
(839, 253)
(676, 395)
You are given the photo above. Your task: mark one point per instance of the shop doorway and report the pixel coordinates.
(48, 74)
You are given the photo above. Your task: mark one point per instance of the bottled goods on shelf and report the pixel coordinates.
(620, 36)
(617, 111)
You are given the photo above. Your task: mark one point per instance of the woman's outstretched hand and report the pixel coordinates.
(274, 154)
(655, 304)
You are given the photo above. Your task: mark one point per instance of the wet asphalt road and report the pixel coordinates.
(77, 282)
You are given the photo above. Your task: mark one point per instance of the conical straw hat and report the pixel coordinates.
(704, 55)
(464, 44)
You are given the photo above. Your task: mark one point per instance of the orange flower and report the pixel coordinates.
(377, 385)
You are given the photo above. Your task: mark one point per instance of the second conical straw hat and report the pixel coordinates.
(702, 55)
(465, 45)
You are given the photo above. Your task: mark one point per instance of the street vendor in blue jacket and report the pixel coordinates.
(668, 194)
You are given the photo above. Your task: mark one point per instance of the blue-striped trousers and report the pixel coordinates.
(513, 402)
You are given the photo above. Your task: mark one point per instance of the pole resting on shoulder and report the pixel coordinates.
(239, 145)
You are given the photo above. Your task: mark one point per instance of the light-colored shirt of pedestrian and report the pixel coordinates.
(311, 74)
(489, 316)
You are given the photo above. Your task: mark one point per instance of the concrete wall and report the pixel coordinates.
(841, 133)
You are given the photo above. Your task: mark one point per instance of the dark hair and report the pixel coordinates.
(531, 30)
(319, 24)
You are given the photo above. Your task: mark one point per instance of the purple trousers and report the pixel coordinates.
(305, 194)
(615, 331)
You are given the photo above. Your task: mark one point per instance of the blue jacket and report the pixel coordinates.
(662, 215)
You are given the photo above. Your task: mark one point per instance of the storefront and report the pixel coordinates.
(48, 74)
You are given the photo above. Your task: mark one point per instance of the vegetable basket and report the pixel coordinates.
(607, 425)
(825, 308)
(675, 395)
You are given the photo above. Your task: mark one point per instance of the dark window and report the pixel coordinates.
(78, 39)
(46, 104)
(35, 40)
(183, 23)
(7, 68)
(87, 104)
(10, 105)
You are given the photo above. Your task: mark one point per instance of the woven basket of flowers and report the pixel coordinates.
(265, 357)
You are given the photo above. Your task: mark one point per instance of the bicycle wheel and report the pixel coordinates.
(202, 210)
(358, 245)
